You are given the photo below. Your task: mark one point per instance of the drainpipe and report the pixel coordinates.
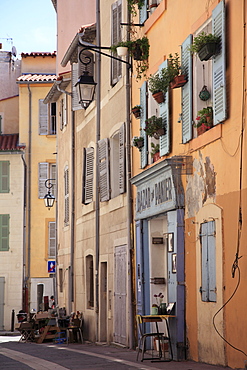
(24, 234)
(97, 200)
(72, 235)
(129, 200)
(29, 195)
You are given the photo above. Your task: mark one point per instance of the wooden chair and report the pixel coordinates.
(75, 330)
(143, 335)
(27, 332)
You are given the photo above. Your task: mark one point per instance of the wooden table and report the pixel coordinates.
(163, 317)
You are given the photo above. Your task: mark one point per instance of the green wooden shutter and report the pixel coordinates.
(4, 176)
(43, 176)
(164, 113)
(122, 163)
(52, 239)
(143, 12)
(143, 103)
(219, 65)
(88, 175)
(4, 232)
(104, 170)
(186, 61)
(43, 117)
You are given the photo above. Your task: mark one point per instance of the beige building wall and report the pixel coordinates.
(9, 111)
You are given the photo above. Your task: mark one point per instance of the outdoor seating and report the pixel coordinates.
(27, 332)
(75, 331)
(143, 335)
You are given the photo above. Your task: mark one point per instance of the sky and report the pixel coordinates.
(29, 25)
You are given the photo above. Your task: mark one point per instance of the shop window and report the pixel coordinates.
(66, 196)
(90, 281)
(210, 73)
(4, 232)
(208, 261)
(47, 118)
(88, 176)
(47, 171)
(116, 18)
(4, 176)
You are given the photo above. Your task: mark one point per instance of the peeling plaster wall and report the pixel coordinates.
(200, 186)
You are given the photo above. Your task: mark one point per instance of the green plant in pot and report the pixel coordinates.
(124, 44)
(154, 127)
(155, 149)
(204, 120)
(136, 110)
(138, 142)
(140, 53)
(205, 45)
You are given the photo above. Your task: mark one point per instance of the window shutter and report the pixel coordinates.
(52, 239)
(61, 114)
(43, 176)
(4, 176)
(211, 262)
(164, 113)
(104, 173)
(116, 66)
(43, 117)
(66, 196)
(143, 103)
(4, 232)
(186, 61)
(87, 196)
(122, 168)
(75, 98)
(219, 65)
(204, 246)
(53, 175)
(143, 12)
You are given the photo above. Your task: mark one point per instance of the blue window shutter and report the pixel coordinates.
(143, 12)
(186, 61)
(164, 113)
(211, 262)
(144, 150)
(204, 246)
(219, 65)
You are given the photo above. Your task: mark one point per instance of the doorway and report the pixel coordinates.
(2, 283)
(103, 302)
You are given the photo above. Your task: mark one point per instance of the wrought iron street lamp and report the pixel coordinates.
(49, 198)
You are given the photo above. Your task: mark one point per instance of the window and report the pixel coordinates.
(90, 281)
(210, 73)
(208, 260)
(88, 173)
(116, 15)
(66, 196)
(47, 171)
(4, 232)
(52, 239)
(47, 118)
(4, 176)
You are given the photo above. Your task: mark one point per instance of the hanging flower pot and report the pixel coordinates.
(136, 111)
(159, 97)
(160, 132)
(178, 81)
(208, 50)
(204, 94)
(122, 51)
(137, 52)
(156, 157)
(138, 142)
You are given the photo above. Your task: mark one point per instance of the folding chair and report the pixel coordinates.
(27, 332)
(143, 336)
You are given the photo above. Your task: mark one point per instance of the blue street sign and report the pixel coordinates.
(51, 267)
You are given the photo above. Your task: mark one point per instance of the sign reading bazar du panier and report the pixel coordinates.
(155, 191)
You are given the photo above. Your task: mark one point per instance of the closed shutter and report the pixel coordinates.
(61, 114)
(208, 246)
(116, 66)
(43, 176)
(104, 173)
(4, 176)
(186, 61)
(143, 103)
(143, 12)
(4, 232)
(52, 239)
(75, 97)
(43, 117)
(53, 176)
(88, 58)
(66, 196)
(122, 168)
(87, 196)
(219, 65)
(164, 113)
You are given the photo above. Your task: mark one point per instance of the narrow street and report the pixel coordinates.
(22, 356)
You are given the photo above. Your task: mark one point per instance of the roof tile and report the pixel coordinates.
(10, 142)
(37, 78)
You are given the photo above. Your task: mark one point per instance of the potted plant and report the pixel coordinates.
(174, 75)
(136, 110)
(155, 152)
(154, 127)
(138, 142)
(121, 48)
(205, 45)
(204, 120)
(157, 87)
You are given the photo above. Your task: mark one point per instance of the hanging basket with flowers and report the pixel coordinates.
(155, 127)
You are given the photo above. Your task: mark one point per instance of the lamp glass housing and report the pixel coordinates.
(49, 200)
(85, 89)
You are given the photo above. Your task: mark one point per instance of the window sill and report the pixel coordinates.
(206, 138)
(50, 135)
